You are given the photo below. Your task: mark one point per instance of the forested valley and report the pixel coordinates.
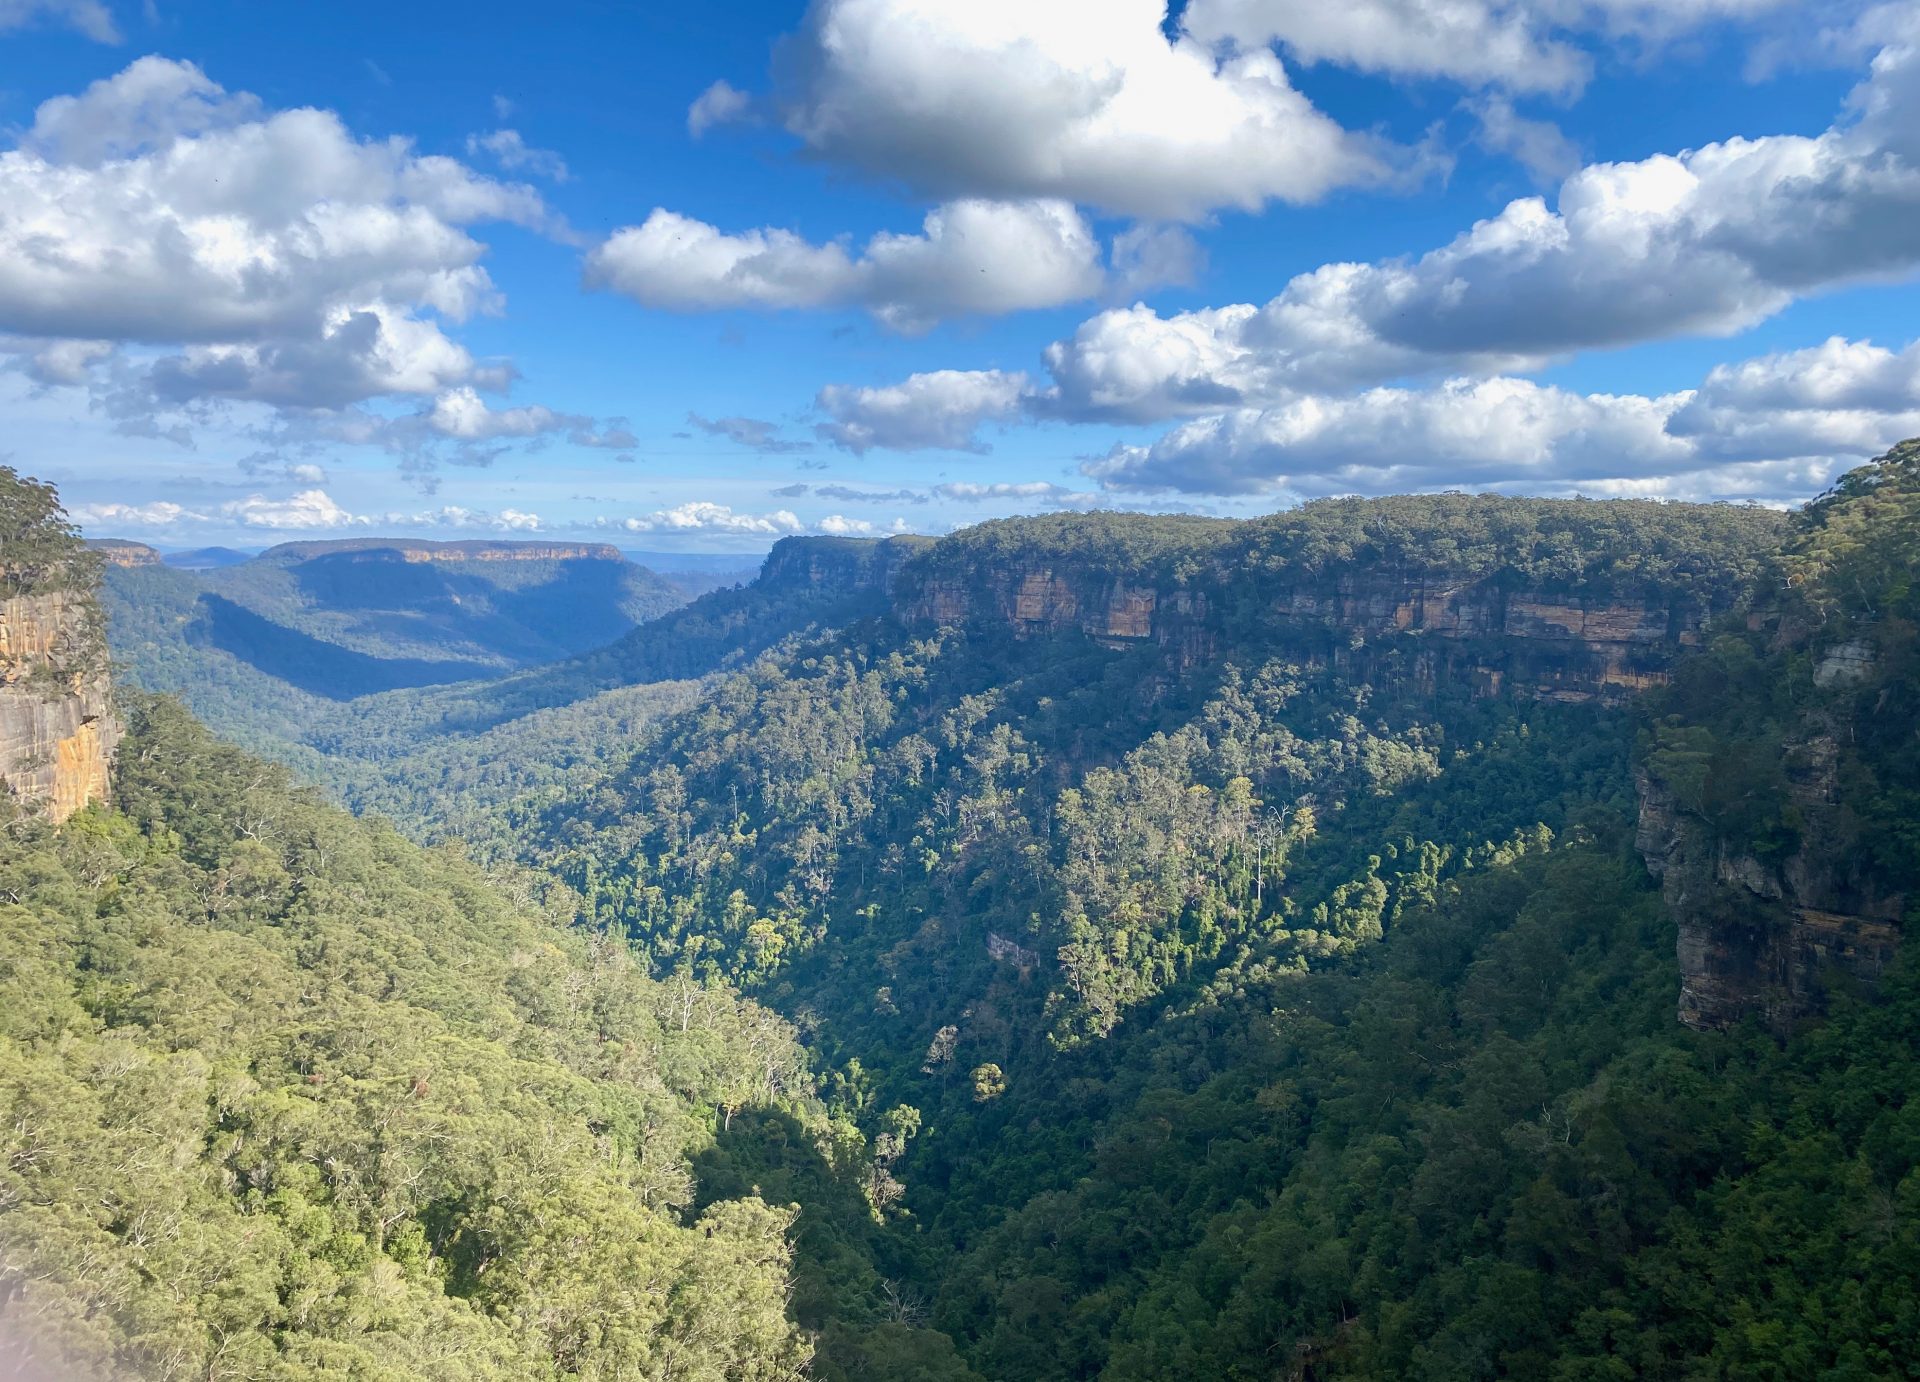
(1443, 937)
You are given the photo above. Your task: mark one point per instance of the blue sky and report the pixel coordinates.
(699, 277)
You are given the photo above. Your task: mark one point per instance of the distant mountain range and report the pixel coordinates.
(704, 570)
(207, 558)
(336, 620)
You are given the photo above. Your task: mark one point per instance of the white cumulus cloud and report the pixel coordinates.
(357, 352)
(511, 151)
(971, 257)
(310, 510)
(1708, 241)
(702, 516)
(1539, 146)
(1772, 428)
(157, 207)
(1847, 398)
(1083, 100)
(719, 104)
(161, 513)
(211, 251)
(464, 415)
(942, 410)
(1467, 432)
(1523, 45)
(89, 17)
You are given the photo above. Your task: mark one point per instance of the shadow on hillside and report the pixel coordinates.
(766, 1152)
(316, 667)
(842, 1259)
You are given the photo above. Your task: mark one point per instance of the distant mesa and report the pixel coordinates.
(117, 551)
(342, 619)
(417, 550)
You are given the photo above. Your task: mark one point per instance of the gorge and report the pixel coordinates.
(1093, 946)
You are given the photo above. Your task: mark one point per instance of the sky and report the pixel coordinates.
(698, 277)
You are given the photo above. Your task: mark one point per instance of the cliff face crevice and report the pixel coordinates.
(57, 729)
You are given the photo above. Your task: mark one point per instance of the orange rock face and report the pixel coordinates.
(57, 730)
(1512, 642)
(120, 553)
(1130, 612)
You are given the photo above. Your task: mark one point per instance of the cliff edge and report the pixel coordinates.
(1779, 774)
(1563, 600)
(57, 728)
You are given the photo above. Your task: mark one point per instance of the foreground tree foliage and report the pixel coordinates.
(283, 1096)
(40, 550)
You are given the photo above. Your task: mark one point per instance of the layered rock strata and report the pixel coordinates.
(57, 730)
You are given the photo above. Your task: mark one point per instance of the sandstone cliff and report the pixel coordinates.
(57, 730)
(119, 552)
(1569, 603)
(1557, 600)
(838, 566)
(1772, 921)
(1759, 936)
(1489, 633)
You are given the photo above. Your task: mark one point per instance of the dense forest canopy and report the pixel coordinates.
(285, 1096)
(1569, 544)
(1139, 545)
(1561, 544)
(879, 997)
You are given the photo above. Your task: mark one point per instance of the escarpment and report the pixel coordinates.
(1558, 600)
(57, 731)
(1552, 644)
(838, 566)
(119, 552)
(1779, 776)
(1752, 800)
(1564, 602)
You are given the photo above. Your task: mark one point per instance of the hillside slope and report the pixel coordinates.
(283, 1095)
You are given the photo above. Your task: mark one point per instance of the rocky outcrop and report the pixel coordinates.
(119, 552)
(57, 730)
(1767, 936)
(1011, 952)
(1847, 664)
(837, 566)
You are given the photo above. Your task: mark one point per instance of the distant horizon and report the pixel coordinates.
(704, 555)
(757, 550)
